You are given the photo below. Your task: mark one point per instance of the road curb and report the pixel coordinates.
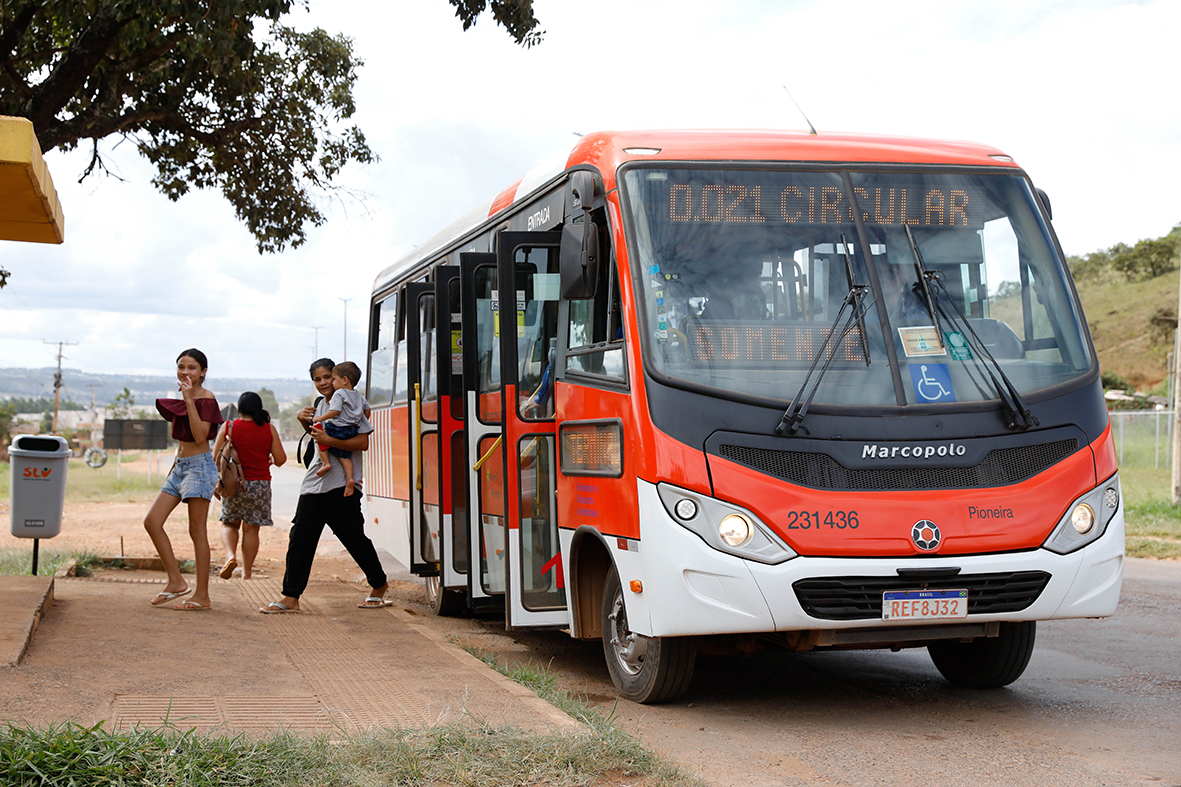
(29, 593)
(525, 695)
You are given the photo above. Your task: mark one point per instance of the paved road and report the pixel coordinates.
(1100, 704)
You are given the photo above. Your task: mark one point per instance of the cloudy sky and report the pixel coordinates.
(1080, 92)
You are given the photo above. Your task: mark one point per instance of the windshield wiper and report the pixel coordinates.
(793, 416)
(924, 282)
(1020, 417)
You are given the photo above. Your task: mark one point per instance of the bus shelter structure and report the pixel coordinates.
(29, 207)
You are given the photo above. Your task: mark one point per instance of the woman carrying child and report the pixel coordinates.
(257, 442)
(347, 410)
(194, 418)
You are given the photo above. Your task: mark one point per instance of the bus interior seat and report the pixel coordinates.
(999, 337)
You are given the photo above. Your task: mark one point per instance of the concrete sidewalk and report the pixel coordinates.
(104, 653)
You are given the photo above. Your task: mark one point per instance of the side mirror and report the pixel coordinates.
(580, 194)
(579, 260)
(1045, 198)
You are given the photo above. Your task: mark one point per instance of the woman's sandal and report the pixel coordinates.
(191, 606)
(164, 596)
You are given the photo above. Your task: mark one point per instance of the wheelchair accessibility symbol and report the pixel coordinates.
(932, 382)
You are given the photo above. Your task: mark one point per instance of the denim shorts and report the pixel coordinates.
(192, 476)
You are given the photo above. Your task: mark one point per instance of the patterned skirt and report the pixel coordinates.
(251, 505)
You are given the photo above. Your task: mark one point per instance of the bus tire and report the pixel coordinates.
(644, 669)
(443, 602)
(986, 662)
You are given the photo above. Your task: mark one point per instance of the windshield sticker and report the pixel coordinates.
(921, 341)
(932, 383)
(958, 346)
(653, 270)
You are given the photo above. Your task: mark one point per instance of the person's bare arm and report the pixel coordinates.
(221, 438)
(358, 443)
(278, 455)
(326, 416)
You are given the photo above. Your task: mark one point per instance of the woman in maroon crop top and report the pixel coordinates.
(194, 418)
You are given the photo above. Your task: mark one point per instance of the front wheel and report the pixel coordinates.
(644, 669)
(986, 662)
(444, 603)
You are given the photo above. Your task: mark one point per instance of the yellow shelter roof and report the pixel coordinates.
(29, 209)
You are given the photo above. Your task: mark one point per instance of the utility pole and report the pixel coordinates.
(57, 378)
(1176, 471)
(346, 327)
(316, 346)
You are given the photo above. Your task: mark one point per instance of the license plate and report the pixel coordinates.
(924, 604)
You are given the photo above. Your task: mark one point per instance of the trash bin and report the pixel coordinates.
(38, 487)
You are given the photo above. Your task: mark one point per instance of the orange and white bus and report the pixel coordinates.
(741, 389)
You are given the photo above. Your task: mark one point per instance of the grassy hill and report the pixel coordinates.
(1118, 313)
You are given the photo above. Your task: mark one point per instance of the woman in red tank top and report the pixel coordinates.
(257, 443)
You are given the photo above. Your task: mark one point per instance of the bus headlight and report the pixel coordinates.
(1083, 518)
(735, 530)
(1086, 519)
(724, 526)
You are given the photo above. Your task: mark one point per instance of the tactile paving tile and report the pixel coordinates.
(231, 714)
(359, 693)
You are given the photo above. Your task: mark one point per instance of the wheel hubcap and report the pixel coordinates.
(629, 647)
(432, 589)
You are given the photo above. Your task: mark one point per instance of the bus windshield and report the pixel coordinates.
(744, 272)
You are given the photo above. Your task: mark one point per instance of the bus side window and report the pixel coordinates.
(401, 375)
(596, 324)
(381, 353)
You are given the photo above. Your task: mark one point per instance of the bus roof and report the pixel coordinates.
(606, 151)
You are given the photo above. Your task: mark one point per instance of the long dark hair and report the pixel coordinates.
(250, 405)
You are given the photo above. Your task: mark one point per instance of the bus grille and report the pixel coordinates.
(819, 471)
(860, 598)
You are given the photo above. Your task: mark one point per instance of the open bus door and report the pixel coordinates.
(483, 424)
(447, 592)
(426, 546)
(536, 593)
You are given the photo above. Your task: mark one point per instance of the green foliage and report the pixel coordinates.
(120, 407)
(269, 402)
(18, 561)
(7, 412)
(476, 754)
(214, 94)
(1114, 382)
(1147, 259)
(1091, 267)
(41, 404)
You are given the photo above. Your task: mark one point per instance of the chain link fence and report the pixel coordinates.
(1143, 437)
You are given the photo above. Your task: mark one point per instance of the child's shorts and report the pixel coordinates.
(340, 433)
(192, 476)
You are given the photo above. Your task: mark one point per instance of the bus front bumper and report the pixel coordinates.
(689, 588)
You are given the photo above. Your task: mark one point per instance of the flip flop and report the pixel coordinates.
(375, 602)
(191, 606)
(276, 608)
(227, 570)
(164, 596)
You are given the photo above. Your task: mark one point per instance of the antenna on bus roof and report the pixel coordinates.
(811, 128)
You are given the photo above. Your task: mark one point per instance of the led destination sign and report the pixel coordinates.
(759, 343)
(811, 204)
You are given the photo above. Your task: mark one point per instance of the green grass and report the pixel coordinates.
(70, 754)
(1152, 522)
(18, 561)
(88, 484)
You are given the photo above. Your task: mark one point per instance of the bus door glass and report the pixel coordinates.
(453, 479)
(480, 347)
(528, 349)
(425, 514)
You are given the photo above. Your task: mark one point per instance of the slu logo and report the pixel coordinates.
(33, 472)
